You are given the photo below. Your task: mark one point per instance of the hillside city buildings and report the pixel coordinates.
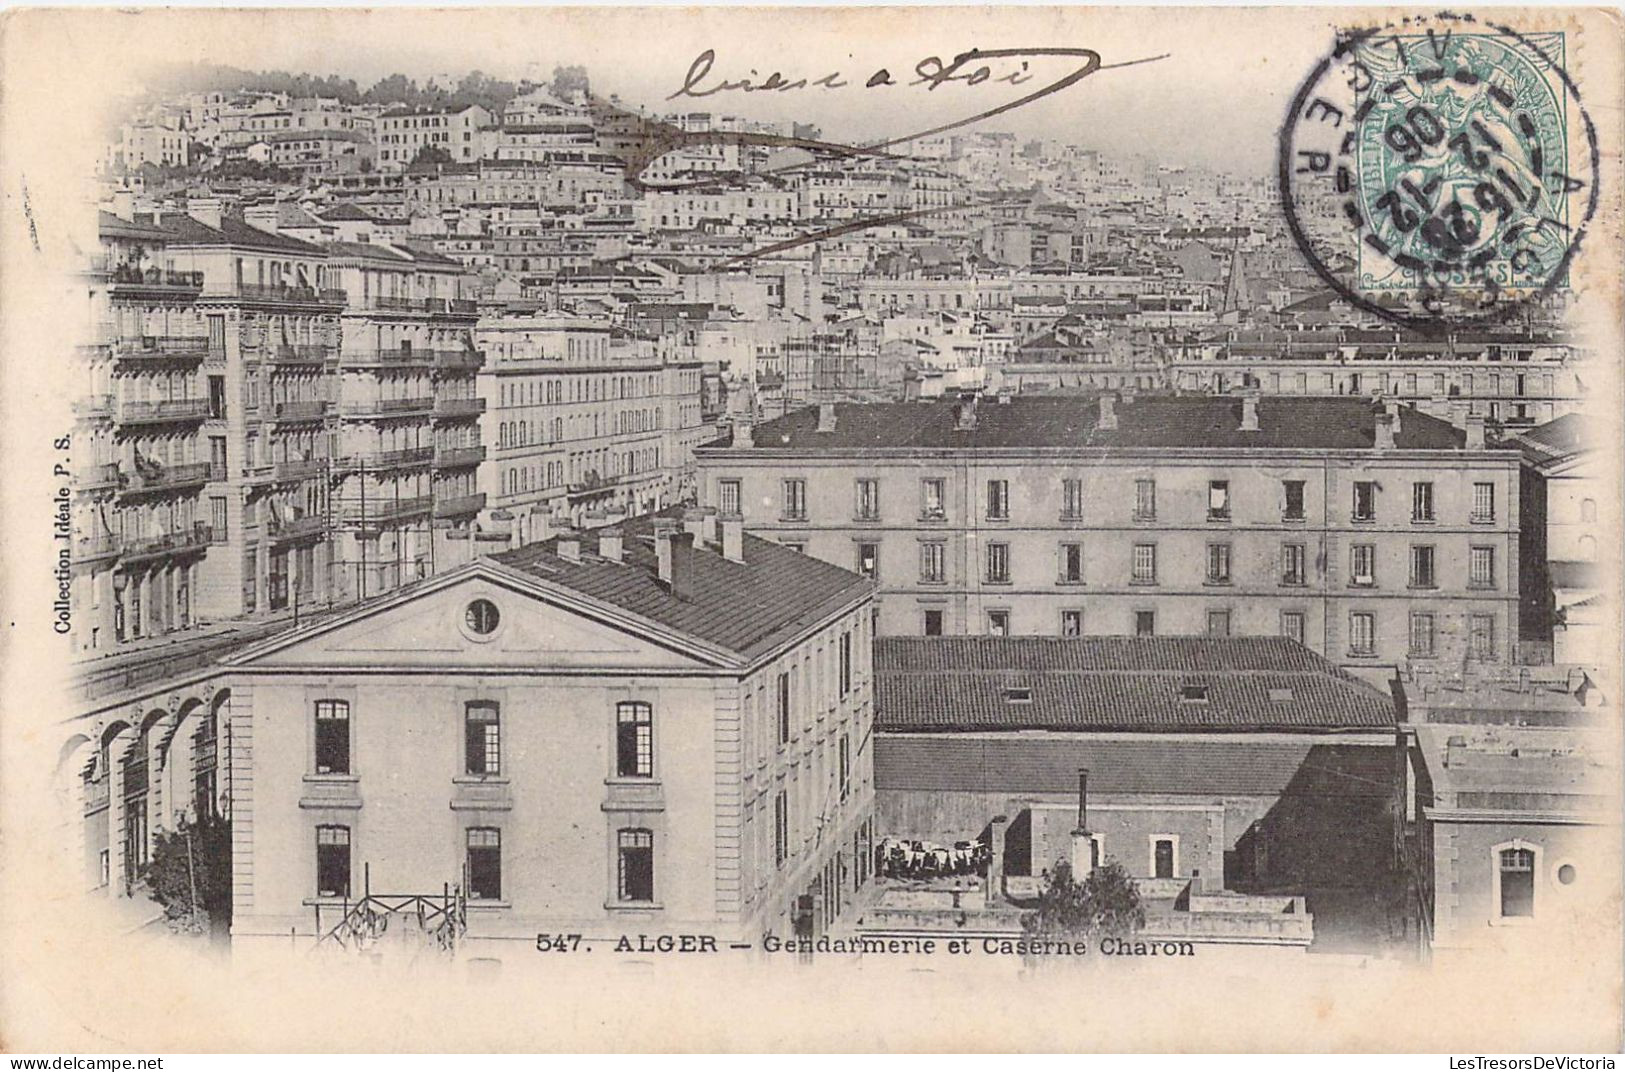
(486, 516)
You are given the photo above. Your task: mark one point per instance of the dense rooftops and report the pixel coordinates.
(747, 607)
(1167, 421)
(1185, 684)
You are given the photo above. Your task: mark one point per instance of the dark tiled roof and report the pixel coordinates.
(1116, 683)
(111, 226)
(363, 251)
(1557, 440)
(1224, 767)
(346, 211)
(1156, 421)
(234, 232)
(748, 608)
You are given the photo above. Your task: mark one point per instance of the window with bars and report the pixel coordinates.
(1292, 625)
(484, 863)
(795, 500)
(1421, 635)
(998, 500)
(1363, 564)
(332, 737)
(1293, 564)
(1365, 500)
(1362, 633)
(333, 861)
(1071, 563)
(1422, 559)
(634, 740)
(482, 738)
(1292, 500)
(728, 496)
(635, 865)
(1071, 499)
(1145, 563)
(998, 563)
(1481, 567)
(1481, 636)
(1218, 500)
(781, 828)
(1218, 563)
(933, 561)
(1145, 500)
(867, 505)
(1517, 872)
(1422, 501)
(933, 499)
(1483, 502)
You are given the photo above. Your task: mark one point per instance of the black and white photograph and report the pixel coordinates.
(807, 529)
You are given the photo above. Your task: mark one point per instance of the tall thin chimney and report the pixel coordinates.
(708, 526)
(664, 528)
(1384, 431)
(743, 434)
(733, 537)
(826, 417)
(965, 419)
(1108, 412)
(1475, 431)
(682, 564)
(694, 522)
(1249, 411)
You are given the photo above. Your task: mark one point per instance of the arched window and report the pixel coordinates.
(1515, 865)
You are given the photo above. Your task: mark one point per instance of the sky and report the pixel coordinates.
(1216, 99)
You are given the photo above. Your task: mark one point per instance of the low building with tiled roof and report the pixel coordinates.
(1372, 533)
(1247, 765)
(665, 724)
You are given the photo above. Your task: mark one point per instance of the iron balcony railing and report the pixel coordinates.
(379, 511)
(94, 406)
(290, 528)
(163, 348)
(299, 468)
(169, 543)
(460, 505)
(388, 407)
(164, 478)
(389, 459)
(388, 359)
(92, 548)
(459, 407)
(452, 457)
(315, 353)
(179, 409)
(392, 303)
(283, 292)
(129, 275)
(304, 410)
(96, 476)
(459, 360)
(451, 306)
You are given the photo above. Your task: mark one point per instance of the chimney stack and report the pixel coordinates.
(708, 526)
(1384, 434)
(541, 527)
(1108, 412)
(665, 527)
(205, 210)
(1249, 411)
(826, 417)
(265, 217)
(1475, 431)
(733, 537)
(610, 544)
(694, 523)
(1393, 408)
(743, 434)
(569, 545)
(965, 418)
(680, 555)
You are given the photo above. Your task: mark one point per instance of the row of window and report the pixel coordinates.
(482, 738)
(1362, 634)
(1481, 570)
(934, 491)
(634, 863)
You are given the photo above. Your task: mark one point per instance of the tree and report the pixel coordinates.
(431, 154)
(1107, 902)
(190, 872)
(569, 82)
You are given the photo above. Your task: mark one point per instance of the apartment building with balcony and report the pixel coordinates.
(141, 522)
(1373, 534)
(407, 445)
(654, 730)
(582, 417)
(271, 310)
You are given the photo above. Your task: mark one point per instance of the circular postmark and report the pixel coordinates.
(1441, 170)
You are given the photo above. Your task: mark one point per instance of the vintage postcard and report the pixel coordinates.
(811, 529)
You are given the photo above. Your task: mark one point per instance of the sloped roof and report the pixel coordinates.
(748, 608)
(111, 226)
(1557, 440)
(944, 684)
(1167, 421)
(234, 232)
(364, 251)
